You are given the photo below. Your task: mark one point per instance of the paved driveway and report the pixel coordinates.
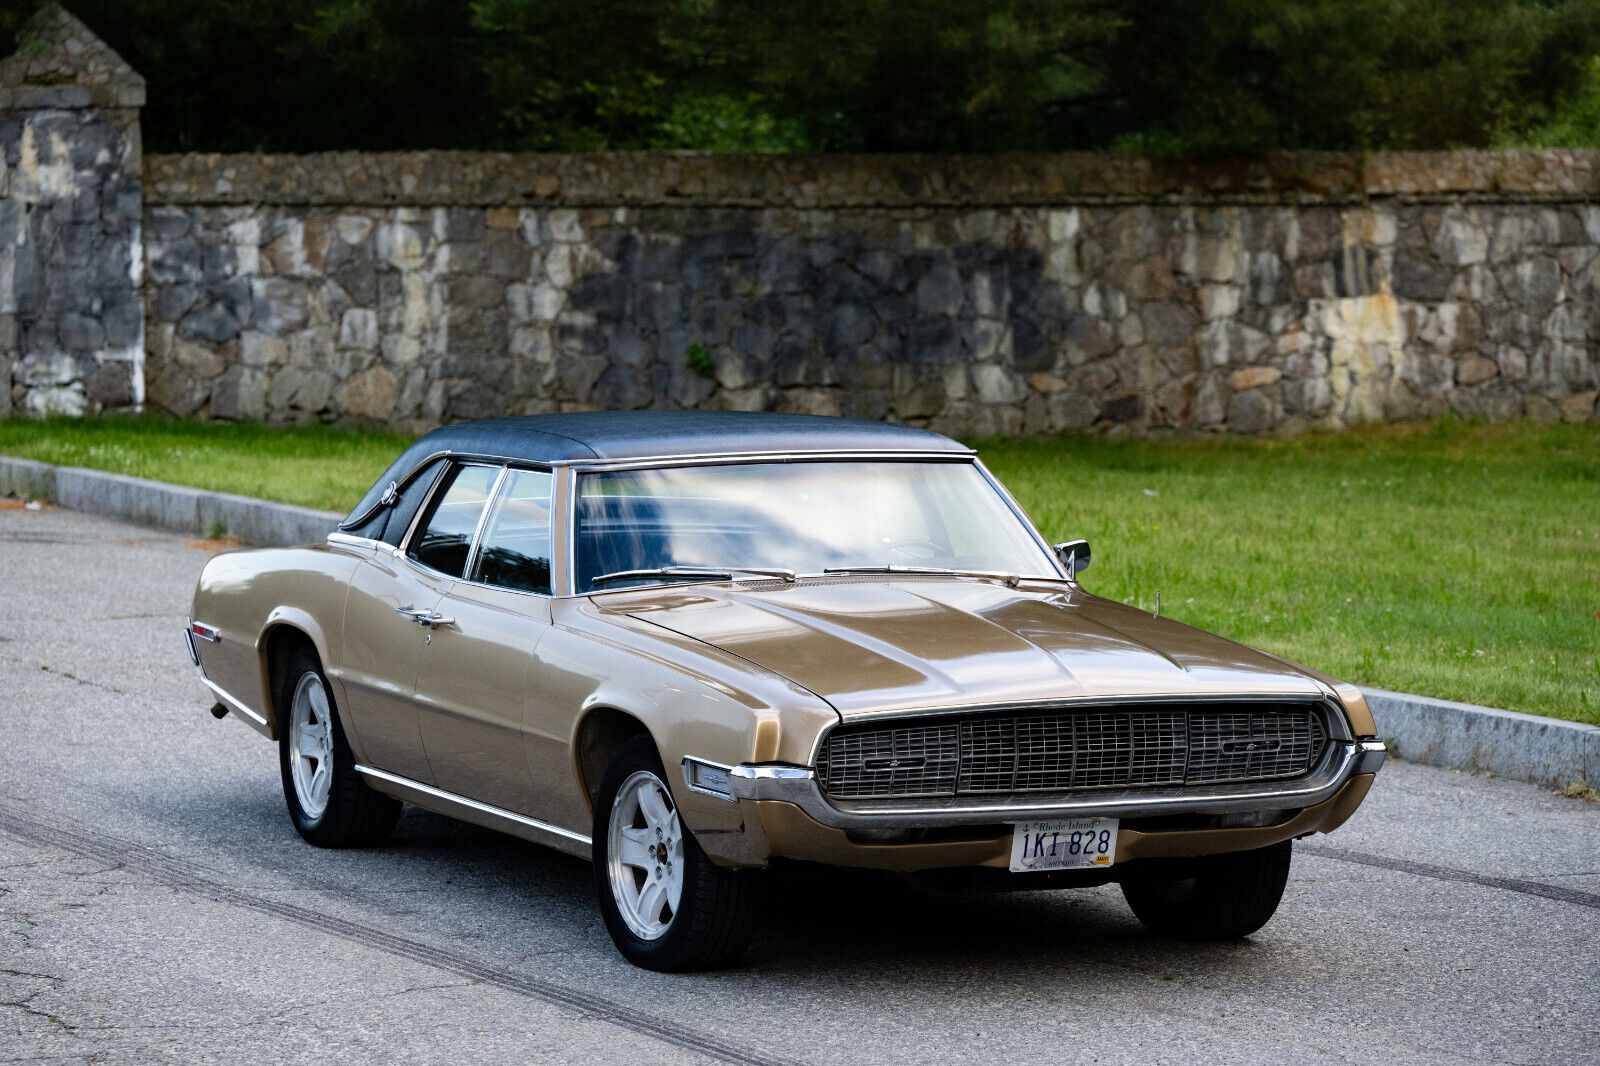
(156, 904)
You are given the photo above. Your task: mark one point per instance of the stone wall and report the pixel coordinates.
(1247, 307)
(71, 312)
(1000, 294)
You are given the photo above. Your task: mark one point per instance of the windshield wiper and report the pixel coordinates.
(695, 573)
(1012, 580)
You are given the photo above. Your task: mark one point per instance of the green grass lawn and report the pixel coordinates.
(1448, 559)
(314, 467)
(1460, 561)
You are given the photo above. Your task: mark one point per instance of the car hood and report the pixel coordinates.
(875, 645)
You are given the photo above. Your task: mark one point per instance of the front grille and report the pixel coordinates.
(1160, 746)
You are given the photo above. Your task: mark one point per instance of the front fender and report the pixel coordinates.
(693, 700)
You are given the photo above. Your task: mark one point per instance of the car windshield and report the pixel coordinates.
(806, 517)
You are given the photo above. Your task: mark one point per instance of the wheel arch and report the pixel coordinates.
(601, 732)
(286, 629)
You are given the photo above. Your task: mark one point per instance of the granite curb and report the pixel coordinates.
(173, 507)
(1464, 736)
(1459, 736)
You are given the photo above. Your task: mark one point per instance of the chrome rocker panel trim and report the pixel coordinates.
(798, 785)
(437, 799)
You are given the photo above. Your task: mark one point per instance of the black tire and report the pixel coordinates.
(355, 816)
(1218, 897)
(718, 908)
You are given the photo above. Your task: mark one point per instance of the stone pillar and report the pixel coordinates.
(71, 205)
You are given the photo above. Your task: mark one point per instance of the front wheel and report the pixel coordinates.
(329, 804)
(667, 906)
(1216, 897)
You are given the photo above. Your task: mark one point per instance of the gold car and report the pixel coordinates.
(692, 645)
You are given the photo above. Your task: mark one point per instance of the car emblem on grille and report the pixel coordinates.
(882, 765)
(1262, 744)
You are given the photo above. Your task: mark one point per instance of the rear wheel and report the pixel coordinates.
(667, 906)
(1216, 897)
(329, 804)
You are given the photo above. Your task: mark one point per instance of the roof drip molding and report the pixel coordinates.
(60, 64)
(667, 436)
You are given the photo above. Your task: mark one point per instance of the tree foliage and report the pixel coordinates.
(1171, 76)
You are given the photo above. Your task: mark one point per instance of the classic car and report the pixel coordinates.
(690, 646)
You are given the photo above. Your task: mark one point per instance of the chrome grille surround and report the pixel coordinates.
(1140, 745)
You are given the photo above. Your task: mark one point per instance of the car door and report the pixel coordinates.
(383, 642)
(476, 674)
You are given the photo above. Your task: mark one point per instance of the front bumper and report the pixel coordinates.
(798, 785)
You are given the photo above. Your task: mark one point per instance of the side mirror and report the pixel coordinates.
(1074, 556)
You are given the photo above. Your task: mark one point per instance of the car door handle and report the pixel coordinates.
(426, 618)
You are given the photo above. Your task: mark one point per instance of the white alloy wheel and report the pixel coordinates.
(644, 850)
(311, 745)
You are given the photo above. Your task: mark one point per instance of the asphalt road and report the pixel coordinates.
(155, 904)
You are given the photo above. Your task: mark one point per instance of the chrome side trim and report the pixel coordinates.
(350, 540)
(511, 818)
(798, 785)
(236, 706)
(188, 642)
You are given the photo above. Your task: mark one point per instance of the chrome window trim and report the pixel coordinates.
(681, 459)
(402, 551)
(490, 503)
(490, 810)
(483, 528)
(590, 466)
(1334, 717)
(1027, 523)
(570, 564)
(598, 465)
(968, 457)
(798, 785)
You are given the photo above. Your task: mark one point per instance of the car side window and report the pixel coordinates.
(399, 515)
(445, 539)
(515, 552)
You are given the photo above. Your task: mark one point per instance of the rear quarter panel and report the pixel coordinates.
(245, 595)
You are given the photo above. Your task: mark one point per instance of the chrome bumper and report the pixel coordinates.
(798, 785)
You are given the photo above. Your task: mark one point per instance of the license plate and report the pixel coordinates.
(1063, 844)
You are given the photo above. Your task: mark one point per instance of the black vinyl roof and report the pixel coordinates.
(622, 435)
